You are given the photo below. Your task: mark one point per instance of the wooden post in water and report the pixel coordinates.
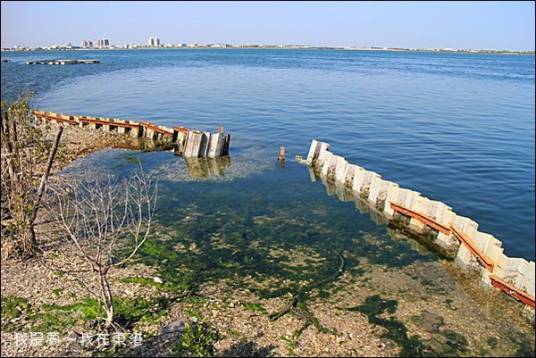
(282, 153)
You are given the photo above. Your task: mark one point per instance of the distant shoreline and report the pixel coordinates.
(321, 48)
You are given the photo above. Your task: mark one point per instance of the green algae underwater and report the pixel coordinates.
(274, 233)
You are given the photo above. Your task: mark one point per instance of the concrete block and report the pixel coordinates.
(517, 272)
(405, 197)
(530, 278)
(366, 181)
(401, 196)
(193, 144)
(215, 145)
(322, 155)
(446, 241)
(314, 150)
(431, 208)
(411, 197)
(312, 174)
(148, 133)
(375, 187)
(187, 153)
(340, 170)
(500, 266)
(391, 195)
(181, 137)
(204, 145)
(446, 218)
(135, 132)
(349, 174)
(485, 242)
(121, 130)
(438, 211)
(359, 177)
(226, 144)
(465, 225)
(465, 258)
(420, 205)
(330, 160)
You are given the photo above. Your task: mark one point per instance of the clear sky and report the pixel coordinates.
(484, 25)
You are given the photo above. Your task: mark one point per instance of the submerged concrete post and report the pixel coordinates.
(194, 142)
(375, 187)
(322, 155)
(226, 144)
(329, 165)
(390, 197)
(314, 150)
(349, 174)
(340, 170)
(367, 179)
(204, 145)
(215, 145)
(359, 176)
(282, 153)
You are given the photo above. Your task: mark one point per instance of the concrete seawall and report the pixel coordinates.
(456, 234)
(189, 143)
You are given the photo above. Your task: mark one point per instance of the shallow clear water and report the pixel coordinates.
(456, 127)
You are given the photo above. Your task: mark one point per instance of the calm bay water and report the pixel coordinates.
(457, 128)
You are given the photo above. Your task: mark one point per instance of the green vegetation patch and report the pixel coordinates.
(59, 318)
(197, 341)
(13, 307)
(147, 281)
(255, 307)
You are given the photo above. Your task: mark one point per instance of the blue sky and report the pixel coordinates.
(499, 25)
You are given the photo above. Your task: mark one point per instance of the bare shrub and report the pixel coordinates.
(108, 220)
(24, 153)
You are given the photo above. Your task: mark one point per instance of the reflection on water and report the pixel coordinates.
(205, 168)
(345, 194)
(245, 163)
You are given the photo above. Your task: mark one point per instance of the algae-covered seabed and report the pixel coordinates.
(279, 267)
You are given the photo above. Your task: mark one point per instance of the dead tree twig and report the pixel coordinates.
(108, 220)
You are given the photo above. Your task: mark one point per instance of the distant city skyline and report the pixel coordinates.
(476, 25)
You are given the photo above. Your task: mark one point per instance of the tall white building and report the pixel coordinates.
(102, 43)
(153, 41)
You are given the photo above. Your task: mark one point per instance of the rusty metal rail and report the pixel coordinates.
(480, 257)
(54, 118)
(205, 144)
(422, 218)
(125, 124)
(512, 291)
(158, 129)
(83, 119)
